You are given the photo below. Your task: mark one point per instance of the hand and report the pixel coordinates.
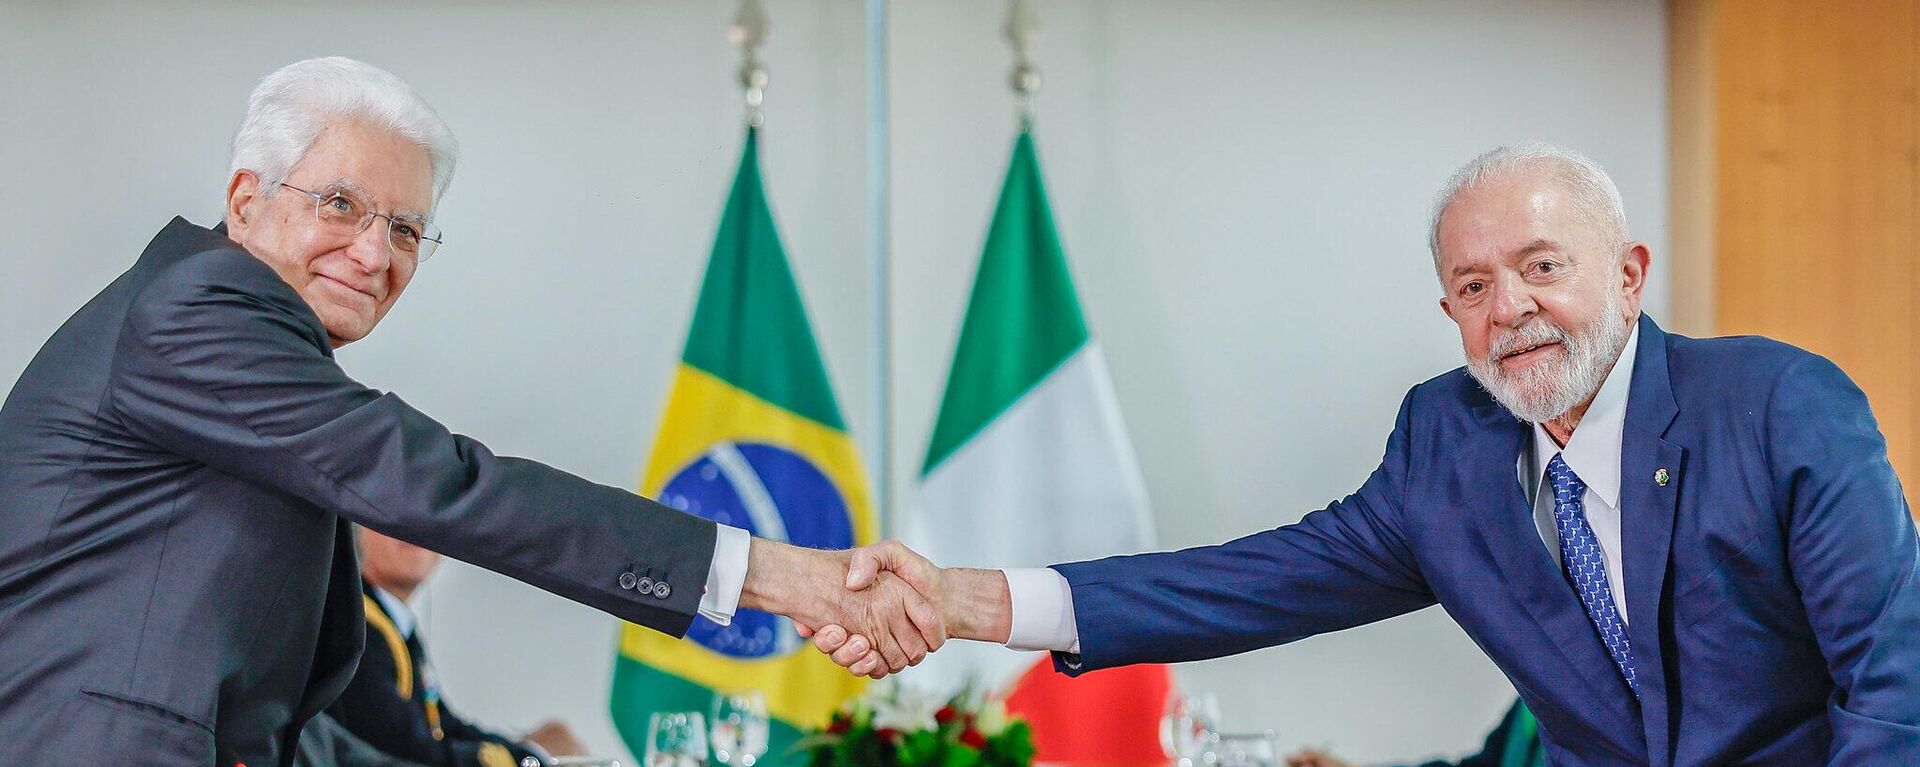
(973, 604)
(895, 623)
(882, 652)
(556, 738)
(1313, 757)
(866, 566)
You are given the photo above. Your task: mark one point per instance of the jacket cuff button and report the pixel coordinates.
(627, 580)
(661, 590)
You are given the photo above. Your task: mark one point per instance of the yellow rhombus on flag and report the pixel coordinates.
(753, 438)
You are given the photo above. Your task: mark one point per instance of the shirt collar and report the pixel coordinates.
(397, 611)
(1593, 453)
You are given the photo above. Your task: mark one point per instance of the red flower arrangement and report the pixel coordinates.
(893, 726)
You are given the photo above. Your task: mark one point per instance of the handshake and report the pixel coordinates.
(876, 609)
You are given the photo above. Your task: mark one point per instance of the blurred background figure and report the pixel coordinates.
(324, 743)
(394, 703)
(1515, 743)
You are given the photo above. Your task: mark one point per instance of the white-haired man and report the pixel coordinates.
(1729, 575)
(179, 463)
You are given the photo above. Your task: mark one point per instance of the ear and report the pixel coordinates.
(243, 194)
(1633, 275)
(1446, 308)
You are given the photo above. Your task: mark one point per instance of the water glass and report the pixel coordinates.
(1185, 729)
(677, 739)
(740, 728)
(1251, 749)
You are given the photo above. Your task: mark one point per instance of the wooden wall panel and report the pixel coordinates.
(1690, 180)
(1816, 191)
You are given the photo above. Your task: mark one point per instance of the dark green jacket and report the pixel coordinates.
(1515, 743)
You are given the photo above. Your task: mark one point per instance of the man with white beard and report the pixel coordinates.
(1706, 559)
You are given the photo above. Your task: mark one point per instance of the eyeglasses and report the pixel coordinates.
(346, 215)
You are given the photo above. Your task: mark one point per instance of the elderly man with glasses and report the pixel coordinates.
(180, 462)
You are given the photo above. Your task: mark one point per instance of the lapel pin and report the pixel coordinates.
(1661, 476)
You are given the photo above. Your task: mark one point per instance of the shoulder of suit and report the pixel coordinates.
(1454, 389)
(215, 267)
(1734, 368)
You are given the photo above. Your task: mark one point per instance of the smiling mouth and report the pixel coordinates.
(343, 284)
(1527, 350)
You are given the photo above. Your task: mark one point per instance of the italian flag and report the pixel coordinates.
(1030, 465)
(752, 437)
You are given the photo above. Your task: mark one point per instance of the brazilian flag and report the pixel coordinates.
(753, 438)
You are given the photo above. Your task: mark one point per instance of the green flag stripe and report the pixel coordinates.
(750, 326)
(640, 689)
(1023, 319)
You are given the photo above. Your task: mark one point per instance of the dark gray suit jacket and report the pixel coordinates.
(324, 743)
(177, 468)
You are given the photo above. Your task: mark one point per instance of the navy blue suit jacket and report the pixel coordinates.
(1772, 591)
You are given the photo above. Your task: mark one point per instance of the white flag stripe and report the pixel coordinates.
(1052, 479)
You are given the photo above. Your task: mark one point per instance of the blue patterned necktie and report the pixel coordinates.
(1586, 566)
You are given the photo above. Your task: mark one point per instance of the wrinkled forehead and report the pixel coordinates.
(1508, 217)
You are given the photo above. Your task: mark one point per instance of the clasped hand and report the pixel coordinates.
(875, 610)
(880, 566)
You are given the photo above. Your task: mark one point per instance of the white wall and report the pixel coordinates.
(1242, 187)
(1243, 190)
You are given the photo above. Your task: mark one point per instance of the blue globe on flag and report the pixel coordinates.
(773, 493)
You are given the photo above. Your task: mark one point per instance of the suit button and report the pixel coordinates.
(645, 585)
(627, 580)
(661, 590)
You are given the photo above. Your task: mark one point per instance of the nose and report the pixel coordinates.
(370, 249)
(1512, 302)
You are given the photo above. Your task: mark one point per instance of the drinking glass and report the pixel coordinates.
(740, 728)
(677, 739)
(1247, 749)
(1185, 728)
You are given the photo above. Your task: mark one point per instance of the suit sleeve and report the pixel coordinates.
(1853, 553)
(223, 364)
(1342, 566)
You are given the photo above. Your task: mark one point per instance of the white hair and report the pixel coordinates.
(1589, 189)
(289, 109)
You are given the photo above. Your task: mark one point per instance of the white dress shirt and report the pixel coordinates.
(727, 575)
(1593, 453)
(1043, 600)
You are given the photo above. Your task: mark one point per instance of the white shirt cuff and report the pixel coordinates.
(727, 575)
(1042, 602)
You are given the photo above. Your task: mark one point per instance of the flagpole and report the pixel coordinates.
(749, 31)
(1023, 33)
(879, 233)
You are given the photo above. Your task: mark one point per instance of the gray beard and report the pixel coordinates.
(1548, 390)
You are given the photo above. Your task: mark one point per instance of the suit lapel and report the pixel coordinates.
(1647, 513)
(1505, 522)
